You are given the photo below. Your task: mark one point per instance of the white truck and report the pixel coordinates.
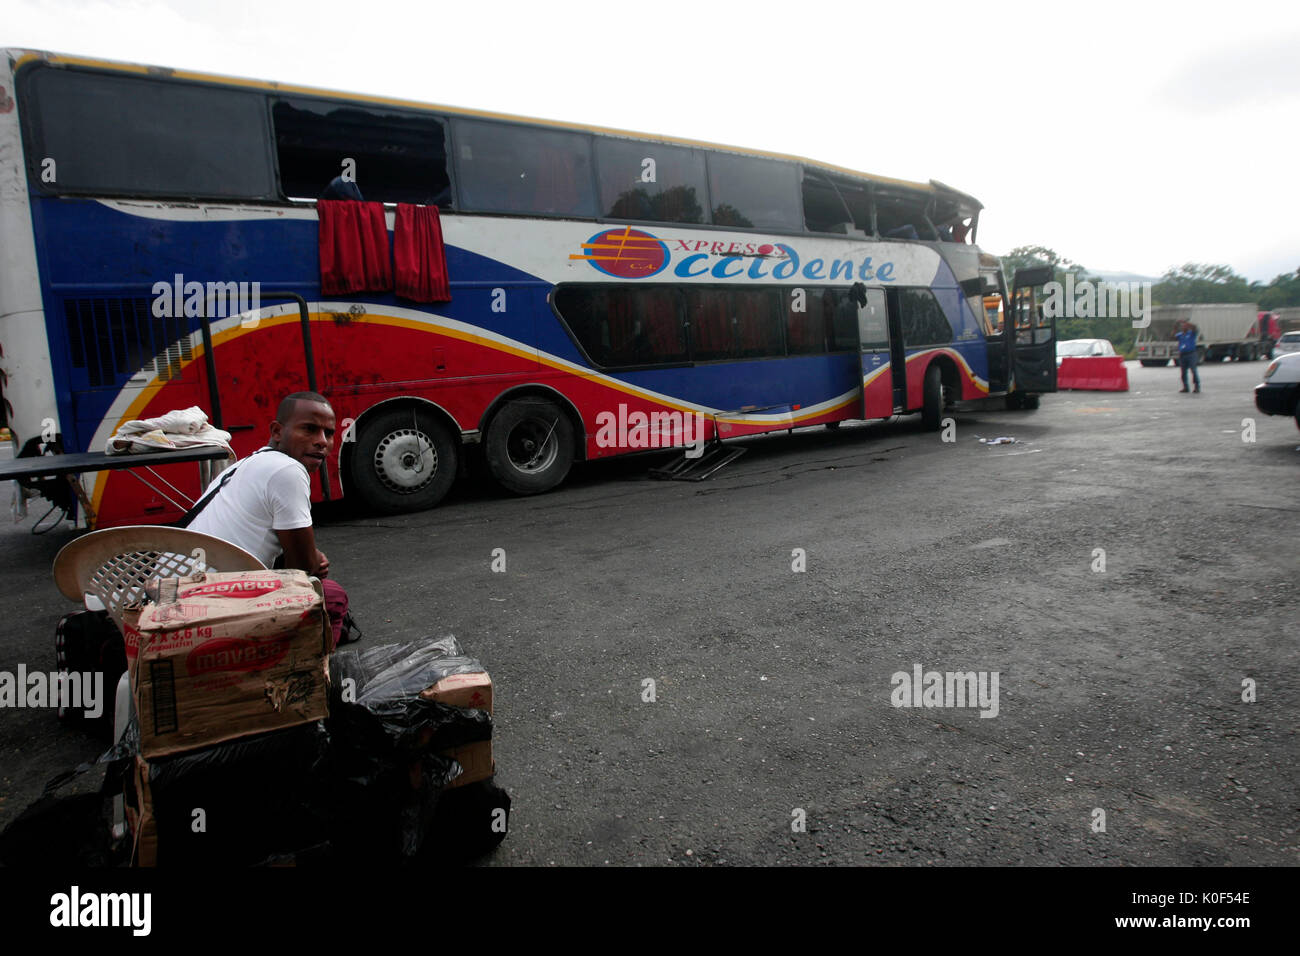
(1225, 330)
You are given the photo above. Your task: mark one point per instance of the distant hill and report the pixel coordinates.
(1121, 276)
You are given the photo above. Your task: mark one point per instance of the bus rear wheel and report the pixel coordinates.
(529, 446)
(404, 460)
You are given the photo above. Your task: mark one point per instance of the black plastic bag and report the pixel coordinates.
(375, 702)
(239, 802)
(68, 824)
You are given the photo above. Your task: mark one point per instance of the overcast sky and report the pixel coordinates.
(1126, 136)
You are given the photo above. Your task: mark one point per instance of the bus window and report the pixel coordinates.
(733, 323)
(858, 199)
(709, 312)
(806, 327)
(842, 315)
(650, 181)
(520, 169)
(823, 210)
(135, 136)
(754, 193)
(1024, 310)
(396, 157)
(922, 318)
(619, 326)
(757, 322)
(873, 328)
(901, 215)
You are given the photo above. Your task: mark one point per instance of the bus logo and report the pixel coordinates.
(626, 253)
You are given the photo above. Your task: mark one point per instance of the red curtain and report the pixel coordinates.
(758, 332)
(421, 259)
(354, 254)
(710, 322)
(806, 330)
(663, 329)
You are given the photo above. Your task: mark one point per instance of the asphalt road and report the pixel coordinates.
(1119, 690)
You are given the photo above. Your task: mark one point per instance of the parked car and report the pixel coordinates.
(1288, 343)
(1279, 393)
(1083, 348)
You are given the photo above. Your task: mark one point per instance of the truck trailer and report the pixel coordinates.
(1224, 330)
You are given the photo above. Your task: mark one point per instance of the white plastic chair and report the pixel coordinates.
(108, 570)
(112, 566)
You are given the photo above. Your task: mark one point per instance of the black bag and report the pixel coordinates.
(88, 643)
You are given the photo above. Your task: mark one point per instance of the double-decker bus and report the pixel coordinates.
(595, 292)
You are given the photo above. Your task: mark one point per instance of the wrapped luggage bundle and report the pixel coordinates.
(240, 803)
(407, 721)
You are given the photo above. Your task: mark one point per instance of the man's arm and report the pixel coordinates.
(300, 551)
(289, 494)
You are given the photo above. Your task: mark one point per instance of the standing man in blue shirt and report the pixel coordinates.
(1186, 334)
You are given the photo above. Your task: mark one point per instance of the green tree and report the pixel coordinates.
(1282, 292)
(1025, 257)
(1198, 283)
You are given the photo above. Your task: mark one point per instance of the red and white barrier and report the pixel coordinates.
(1102, 373)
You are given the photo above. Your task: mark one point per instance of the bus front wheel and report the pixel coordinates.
(404, 460)
(932, 409)
(529, 446)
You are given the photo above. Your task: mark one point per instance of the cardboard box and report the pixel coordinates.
(140, 818)
(463, 690)
(470, 691)
(475, 759)
(225, 655)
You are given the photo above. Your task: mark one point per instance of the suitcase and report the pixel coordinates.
(88, 642)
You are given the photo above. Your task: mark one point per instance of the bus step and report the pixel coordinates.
(697, 469)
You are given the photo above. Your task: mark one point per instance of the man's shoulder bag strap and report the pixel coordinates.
(186, 519)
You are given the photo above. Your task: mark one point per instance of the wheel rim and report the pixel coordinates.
(406, 461)
(532, 445)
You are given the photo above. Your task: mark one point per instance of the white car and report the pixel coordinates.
(1289, 342)
(1279, 393)
(1083, 348)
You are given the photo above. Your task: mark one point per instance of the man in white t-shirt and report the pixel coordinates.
(263, 502)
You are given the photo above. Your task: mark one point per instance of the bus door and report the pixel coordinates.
(986, 296)
(1033, 345)
(880, 342)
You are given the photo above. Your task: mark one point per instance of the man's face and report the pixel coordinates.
(308, 434)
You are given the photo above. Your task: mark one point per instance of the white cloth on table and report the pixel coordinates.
(180, 428)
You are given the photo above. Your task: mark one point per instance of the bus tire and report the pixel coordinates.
(932, 405)
(404, 460)
(529, 446)
(1030, 402)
